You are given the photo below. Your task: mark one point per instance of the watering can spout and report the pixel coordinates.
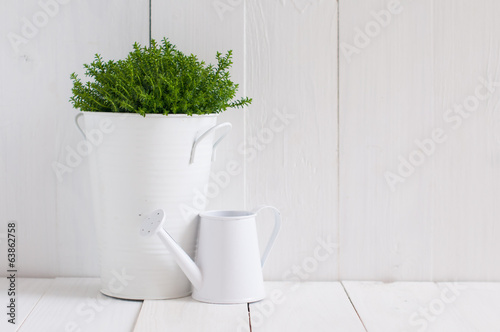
(153, 225)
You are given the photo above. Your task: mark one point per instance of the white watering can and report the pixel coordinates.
(228, 266)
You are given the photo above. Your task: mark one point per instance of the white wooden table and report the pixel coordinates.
(75, 304)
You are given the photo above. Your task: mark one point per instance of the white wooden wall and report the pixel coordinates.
(441, 223)
(341, 92)
(292, 76)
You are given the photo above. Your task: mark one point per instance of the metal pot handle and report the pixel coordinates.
(226, 125)
(77, 118)
(274, 234)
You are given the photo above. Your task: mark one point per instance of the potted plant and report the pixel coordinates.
(159, 107)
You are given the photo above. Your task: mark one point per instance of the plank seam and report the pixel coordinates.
(36, 303)
(245, 67)
(353, 306)
(338, 139)
(138, 316)
(150, 23)
(249, 317)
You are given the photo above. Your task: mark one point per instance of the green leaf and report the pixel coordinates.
(159, 79)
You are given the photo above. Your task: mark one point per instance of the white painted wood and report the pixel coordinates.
(110, 29)
(186, 314)
(75, 304)
(291, 129)
(56, 233)
(304, 306)
(386, 101)
(439, 224)
(389, 306)
(475, 307)
(27, 135)
(465, 186)
(426, 306)
(204, 28)
(66, 304)
(27, 294)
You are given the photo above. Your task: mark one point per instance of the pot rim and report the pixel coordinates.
(151, 115)
(226, 214)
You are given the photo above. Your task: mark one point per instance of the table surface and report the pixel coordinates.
(75, 304)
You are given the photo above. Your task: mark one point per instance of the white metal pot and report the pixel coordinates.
(139, 164)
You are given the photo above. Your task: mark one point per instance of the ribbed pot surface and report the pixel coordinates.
(142, 164)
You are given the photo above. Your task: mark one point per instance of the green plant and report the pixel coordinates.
(158, 79)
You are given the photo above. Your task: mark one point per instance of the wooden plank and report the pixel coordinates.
(386, 102)
(27, 294)
(75, 304)
(304, 306)
(389, 306)
(291, 128)
(203, 28)
(108, 28)
(425, 306)
(433, 219)
(465, 177)
(186, 314)
(56, 231)
(474, 306)
(26, 137)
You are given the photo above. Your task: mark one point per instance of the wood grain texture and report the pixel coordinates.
(475, 307)
(28, 190)
(389, 306)
(385, 103)
(291, 135)
(27, 294)
(56, 233)
(437, 222)
(466, 170)
(205, 28)
(186, 314)
(401, 76)
(72, 304)
(426, 306)
(76, 304)
(304, 306)
(109, 29)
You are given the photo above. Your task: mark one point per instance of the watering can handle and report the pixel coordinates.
(277, 225)
(77, 118)
(205, 134)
